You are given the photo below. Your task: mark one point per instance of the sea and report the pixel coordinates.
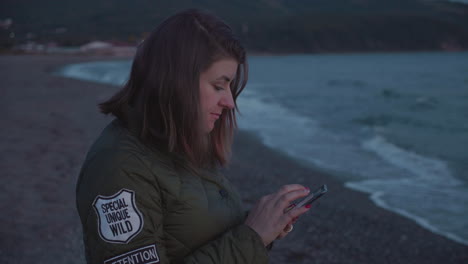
(392, 125)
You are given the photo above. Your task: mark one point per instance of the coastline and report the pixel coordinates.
(52, 120)
(344, 226)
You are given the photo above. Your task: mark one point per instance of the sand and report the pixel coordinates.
(49, 122)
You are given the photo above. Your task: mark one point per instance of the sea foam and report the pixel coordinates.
(428, 194)
(115, 73)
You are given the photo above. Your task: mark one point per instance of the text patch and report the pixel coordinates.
(119, 219)
(144, 255)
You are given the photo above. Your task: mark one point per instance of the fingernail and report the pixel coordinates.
(308, 206)
(307, 189)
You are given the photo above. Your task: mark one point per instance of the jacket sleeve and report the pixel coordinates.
(240, 244)
(269, 246)
(122, 216)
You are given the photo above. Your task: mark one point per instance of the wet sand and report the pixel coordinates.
(48, 123)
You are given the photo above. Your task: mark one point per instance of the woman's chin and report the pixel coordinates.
(209, 129)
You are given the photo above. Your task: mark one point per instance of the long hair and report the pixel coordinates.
(163, 87)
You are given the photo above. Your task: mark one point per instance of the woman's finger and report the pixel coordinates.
(293, 213)
(285, 231)
(295, 220)
(289, 188)
(282, 235)
(284, 200)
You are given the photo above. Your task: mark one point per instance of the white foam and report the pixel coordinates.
(429, 194)
(417, 187)
(431, 208)
(115, 73)
(275, 123)
(428, 170)
(297, 135)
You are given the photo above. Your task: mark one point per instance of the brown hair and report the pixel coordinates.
(163, 88)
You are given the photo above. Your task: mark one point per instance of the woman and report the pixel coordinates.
(149, 190)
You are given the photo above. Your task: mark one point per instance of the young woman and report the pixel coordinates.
(149, 190)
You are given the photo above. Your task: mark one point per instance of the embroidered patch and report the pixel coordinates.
(144, 255)
(119, 219)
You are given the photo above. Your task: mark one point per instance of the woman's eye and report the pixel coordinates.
(219, 88)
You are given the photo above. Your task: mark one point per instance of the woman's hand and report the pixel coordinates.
(268, 218)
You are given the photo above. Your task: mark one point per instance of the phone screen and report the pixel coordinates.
(311, 197)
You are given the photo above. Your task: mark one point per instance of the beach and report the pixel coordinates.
(51, 121)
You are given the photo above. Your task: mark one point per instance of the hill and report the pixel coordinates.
(278, 26)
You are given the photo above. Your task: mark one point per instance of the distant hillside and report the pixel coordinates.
(263, 25)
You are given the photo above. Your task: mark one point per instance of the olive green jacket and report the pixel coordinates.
(138, 205)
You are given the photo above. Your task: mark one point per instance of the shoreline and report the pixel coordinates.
(367, 228)
(375, 198)
(51, 122)
(111, 55)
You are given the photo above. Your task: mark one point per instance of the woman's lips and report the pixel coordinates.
(215, 115)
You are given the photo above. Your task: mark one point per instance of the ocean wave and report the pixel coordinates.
(428, 170)
(108, 72)
(432, 207)
(347, 83)
(382, 120)
(274, 122)
(414, 186)
(423, 103)
(428, 194)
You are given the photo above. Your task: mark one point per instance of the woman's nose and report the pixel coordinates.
(227, 101)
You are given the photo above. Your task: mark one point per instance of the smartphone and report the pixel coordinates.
(311, 197)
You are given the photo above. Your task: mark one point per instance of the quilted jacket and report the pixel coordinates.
(140, 205)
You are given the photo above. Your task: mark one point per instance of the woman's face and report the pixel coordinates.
(215, 91)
